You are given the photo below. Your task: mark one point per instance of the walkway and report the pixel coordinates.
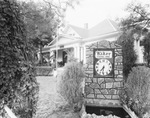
(47, 96)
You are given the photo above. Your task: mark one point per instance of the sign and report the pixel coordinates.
(103, 54)
(103, 62)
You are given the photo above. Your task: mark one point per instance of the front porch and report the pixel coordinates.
(61, 56)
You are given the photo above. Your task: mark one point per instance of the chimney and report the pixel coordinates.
(85, 25)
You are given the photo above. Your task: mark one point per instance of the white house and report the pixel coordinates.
(74, 39)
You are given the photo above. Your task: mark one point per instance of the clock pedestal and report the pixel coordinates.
(104, 75)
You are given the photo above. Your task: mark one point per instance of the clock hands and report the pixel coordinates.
(102, 69)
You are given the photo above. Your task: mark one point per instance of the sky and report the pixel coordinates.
(94, 11)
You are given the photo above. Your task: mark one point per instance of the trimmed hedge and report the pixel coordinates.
(44, 71)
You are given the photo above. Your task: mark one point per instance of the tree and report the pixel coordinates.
(139, 22)
(18, 86)
(137, 92)
(146, 44)
(60, 6)
(138, 15)
(135, 26)
(43, 20)
(126, 40)
(41, 24)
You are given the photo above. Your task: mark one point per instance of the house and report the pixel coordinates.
(74, 40)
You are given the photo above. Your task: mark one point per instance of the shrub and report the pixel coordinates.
(18, 85)
(70, 86)
(137, 90)
(129, 55)
(71, 57)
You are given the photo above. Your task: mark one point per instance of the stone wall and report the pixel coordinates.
(103, 91)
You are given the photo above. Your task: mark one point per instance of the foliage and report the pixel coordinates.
(146, 44)
(139, 21)
(44, 71)
(18, 87)
(41, 25)
(70, 56)
(25, 103)
(139, 15)
(42, 21)
(60, 7)
(71, 85)
(126, 40)
(137, 94)
(134, 27)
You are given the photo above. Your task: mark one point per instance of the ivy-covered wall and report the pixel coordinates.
(103, 91)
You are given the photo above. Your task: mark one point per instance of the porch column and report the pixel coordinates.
(77, 53)
(84, 54)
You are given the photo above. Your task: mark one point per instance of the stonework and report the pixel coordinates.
(98, 90)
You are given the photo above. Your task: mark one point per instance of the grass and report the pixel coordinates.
(47, 95)
(49, 100)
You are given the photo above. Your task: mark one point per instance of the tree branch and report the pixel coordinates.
(54, 8)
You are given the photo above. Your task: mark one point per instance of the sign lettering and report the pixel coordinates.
(103, 54)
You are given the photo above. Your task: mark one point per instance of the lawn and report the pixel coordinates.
(49, 99)
(47, 96)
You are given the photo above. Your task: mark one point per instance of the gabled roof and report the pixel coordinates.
(114, 24)
(104, 27)
(81, 31)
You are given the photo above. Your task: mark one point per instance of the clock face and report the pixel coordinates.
(103, 67)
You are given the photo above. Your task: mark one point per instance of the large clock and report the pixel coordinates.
(103, 63)
(103, 67)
